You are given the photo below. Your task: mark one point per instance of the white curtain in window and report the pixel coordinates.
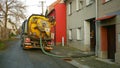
(88, 2)
(70, 34)
(77, 4)
(78, 34)
(69, 8)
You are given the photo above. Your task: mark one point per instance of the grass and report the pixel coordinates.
(2, 45)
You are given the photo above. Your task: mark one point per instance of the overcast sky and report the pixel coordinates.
(34, 6)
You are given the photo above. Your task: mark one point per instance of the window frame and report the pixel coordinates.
(78, 32)
(79, 5)
(70, 8)
(70, 34)
(89, 2)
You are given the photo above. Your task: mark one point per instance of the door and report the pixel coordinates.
(92, 35)
(111, 42)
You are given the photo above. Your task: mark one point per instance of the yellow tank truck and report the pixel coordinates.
(35, 27)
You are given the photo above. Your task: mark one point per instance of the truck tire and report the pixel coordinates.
(23, 47)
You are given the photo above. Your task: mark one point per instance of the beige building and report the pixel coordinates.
(81, 24)
(108, 35)
(94, 26)
(11, 29)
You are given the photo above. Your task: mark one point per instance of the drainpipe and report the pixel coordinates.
(62, 41)
(96, 11)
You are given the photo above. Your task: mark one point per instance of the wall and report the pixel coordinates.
(60, 13)
(9, 25)
(110, 8)
(117, 58)
(52, 13)
(76, 20)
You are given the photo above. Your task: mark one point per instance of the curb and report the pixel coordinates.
(78, 65)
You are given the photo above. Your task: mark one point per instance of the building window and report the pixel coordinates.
(78, 33)
(70, 34)
(79, 4)
(104, 1)
(89, 2)
(70, 8)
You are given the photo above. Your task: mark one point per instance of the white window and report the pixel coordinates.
(88, 2)
(70, 34)
(52, 35)
(78, 33)
(79, 4)
(70, 8)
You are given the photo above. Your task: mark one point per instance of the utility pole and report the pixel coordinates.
(42, 6)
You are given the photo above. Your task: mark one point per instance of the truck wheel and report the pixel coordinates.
(47, 50)
(24, 48)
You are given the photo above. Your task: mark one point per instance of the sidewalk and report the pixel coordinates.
(81, 59)
(69, 52)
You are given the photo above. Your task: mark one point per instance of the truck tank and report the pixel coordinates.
(35, 27)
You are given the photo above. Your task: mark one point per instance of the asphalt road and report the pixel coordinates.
(15, 57)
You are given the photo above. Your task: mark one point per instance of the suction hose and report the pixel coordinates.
(49, 53)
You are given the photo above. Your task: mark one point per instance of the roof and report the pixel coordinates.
(105, 17)
(52, 6)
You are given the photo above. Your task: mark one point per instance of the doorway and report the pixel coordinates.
(111, 36)
(108, 41)
(92, 35)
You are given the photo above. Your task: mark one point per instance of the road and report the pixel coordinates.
(15, 57)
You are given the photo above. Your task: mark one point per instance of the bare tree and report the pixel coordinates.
(12, 8)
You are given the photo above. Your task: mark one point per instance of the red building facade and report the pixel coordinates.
(59, 13)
